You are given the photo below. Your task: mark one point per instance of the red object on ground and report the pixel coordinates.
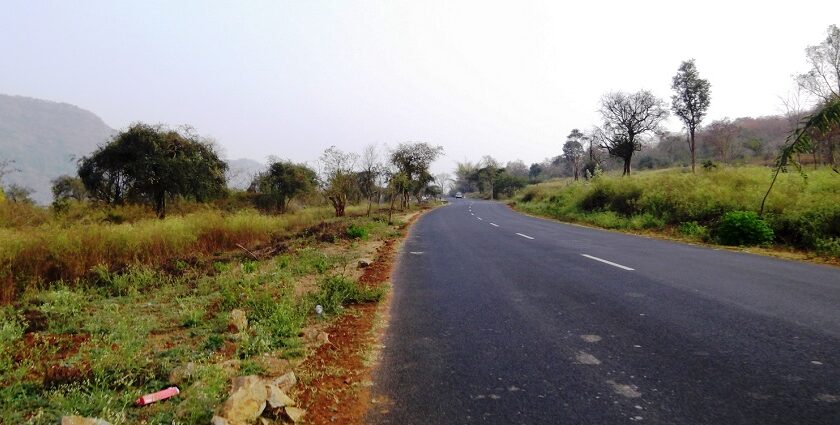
(158, 396)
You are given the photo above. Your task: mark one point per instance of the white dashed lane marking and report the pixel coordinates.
(607, 262)
(494, 224)
(524, 236)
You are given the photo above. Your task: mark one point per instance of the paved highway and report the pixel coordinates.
(500, 318)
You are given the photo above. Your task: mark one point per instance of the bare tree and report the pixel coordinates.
(517, 168)
(690, 101)
(823, 79)
(371, 168)
(722, 135)
(627, 117)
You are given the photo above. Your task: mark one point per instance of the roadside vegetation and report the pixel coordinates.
(714, 206)
(724, 182)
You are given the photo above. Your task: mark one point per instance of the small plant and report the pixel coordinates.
(694, 230)
(357, 232)
(709, 165)
(336, 291)
(743, 228)
(249, 266)
(214, 342)
(250, 367)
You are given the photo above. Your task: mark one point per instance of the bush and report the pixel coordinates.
(336, 291)
(743, 228)
(357, 232)
(694, 230)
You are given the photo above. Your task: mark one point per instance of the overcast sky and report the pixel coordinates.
(509, 79)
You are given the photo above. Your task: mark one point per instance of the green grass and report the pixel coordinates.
(124, 331)
(803, 213)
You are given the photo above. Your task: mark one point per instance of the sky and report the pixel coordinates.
(508, 79)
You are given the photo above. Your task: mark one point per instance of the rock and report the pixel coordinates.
(363, 263)
(264, 421)
(230, 367)
(182, 373)
(80, 420)
(323, 338)
(246, 402)
(238, 321)
(277, 398)
(218, 420)
(295, 414)
(285, 382)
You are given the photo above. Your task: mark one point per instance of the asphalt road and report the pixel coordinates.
(501, 318)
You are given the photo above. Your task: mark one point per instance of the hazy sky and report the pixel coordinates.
(509, 79)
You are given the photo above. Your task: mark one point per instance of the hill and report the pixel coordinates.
(44, 138)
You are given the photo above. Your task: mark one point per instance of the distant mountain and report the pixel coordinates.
(242, 171)
(44, 139)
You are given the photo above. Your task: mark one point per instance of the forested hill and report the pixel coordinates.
(43, 138)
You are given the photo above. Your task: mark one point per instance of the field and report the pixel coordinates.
(98, 314)
(802, 212)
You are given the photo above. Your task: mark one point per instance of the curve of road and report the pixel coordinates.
(502, 318)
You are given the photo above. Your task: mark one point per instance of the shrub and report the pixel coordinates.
(694, 230)
(336, 291)
(357, 232)
(743, 228)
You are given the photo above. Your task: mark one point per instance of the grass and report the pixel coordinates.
(803, 213)
(36, 256)
(115, 333)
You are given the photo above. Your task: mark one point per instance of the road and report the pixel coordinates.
(501, 318)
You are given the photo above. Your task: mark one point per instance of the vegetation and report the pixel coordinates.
(805, 213)
(92, 345)
(691, 99)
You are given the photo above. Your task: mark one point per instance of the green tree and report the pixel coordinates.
(18, 194)
(150, 164)
(282, 182)
(691, 99)
(413, 161)
(66, 188)
(573, 151)
(338, 179)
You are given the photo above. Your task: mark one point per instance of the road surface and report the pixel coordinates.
(500, 318)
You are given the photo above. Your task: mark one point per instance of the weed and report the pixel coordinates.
(694, 230)
(355, 231)
(743, 228)
(336, 291)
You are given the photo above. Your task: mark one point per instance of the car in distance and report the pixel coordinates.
(459, 195)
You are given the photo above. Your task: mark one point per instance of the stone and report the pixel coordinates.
(363, 263)
(237, 321)
(80, 420)
(182, 373)
(246, 402)
(294, 413)
(285, 382)
(218, 420)
(230, 367)
(272, 366)
(322, 338)
(277, 398)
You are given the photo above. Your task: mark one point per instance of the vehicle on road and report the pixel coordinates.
(459, 195)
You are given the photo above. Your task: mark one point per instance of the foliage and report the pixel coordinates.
(412, 161)
(355, 231)
(337, 179)
(337, 291)
(18, 194)
(281, 183)
(690, 101)
(150, 164)
(573, 151)
(743, 228)
(823, 79)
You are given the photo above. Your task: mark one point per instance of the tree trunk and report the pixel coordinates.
(691, 148)
(160, 205)
(627, 166)
(370, 204)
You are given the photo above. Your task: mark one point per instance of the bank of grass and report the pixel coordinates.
(803, 213)
(37, 255)
(91, 347)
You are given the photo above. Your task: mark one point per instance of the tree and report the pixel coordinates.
(517, 168)
(18, 194)
(534, 172)
(823, 79)
(690, 101)
(66, 188)
(628, 116)
(487, 175)
(573, 151)
(371, 168)
(722, 135)
(150, 164)
(282, 182)
(508, 184)
(337, 179)
(413, 161)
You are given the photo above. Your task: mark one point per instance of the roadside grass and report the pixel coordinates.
(803, 213)
(111, 334)
(36, 256)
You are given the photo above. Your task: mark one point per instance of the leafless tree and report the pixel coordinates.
(627, 117)
(823, 79)
(722, 136)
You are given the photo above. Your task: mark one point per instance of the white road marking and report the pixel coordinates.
(416, 252)
(524, 236)
(607, 262)
(478, 218)
(494, 224)
(472, 214)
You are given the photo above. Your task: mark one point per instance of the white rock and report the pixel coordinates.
(285, 382)
(295, 414)
(277, 398)
(247, 400)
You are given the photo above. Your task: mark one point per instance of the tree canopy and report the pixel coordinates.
(152, 163)
(691, 99)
